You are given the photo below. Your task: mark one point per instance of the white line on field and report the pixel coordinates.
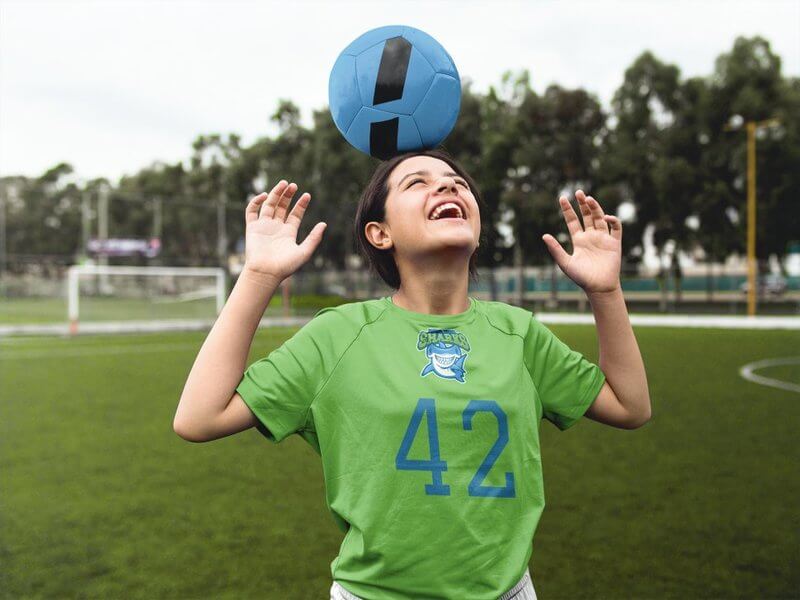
(98, 350)
(747, 372)
(677, 320)
(114, 327)
(705, 321)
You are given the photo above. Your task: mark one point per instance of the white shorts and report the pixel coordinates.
(522, 590)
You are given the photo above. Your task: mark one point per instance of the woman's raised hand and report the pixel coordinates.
(596, 247)
(271, 246)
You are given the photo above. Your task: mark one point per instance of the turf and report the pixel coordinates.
(99, 498)
(15, 311)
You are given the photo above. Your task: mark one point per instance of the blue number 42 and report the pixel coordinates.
(426, 407)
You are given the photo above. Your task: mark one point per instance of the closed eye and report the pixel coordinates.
(458, 181)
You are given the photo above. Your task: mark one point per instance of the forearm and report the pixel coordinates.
(620, 358)
(222, 358)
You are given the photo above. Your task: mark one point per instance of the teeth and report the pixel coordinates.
(435, 214)
(445, 361)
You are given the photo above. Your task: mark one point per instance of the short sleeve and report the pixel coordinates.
(280, 388)
(567, 383)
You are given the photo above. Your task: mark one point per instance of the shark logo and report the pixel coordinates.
(446, 350)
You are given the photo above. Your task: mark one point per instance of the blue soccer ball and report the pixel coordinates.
(394, 89)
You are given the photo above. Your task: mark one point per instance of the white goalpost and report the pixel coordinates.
(134, 291)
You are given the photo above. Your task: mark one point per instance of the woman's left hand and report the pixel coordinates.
(597, 247)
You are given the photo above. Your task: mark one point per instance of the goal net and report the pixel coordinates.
(147, 295)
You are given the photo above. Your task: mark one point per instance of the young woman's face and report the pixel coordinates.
(412, 223)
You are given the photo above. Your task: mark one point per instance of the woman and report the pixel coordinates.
(425, 405)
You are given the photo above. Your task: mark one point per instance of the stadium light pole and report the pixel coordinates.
(2, 242)
(102, 234)
(222, 234)
(752, 127)
(86, 225)
(157, 224)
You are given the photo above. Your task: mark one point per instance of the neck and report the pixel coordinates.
(433, 288)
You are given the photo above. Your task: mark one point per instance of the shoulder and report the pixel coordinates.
(328, 336)
(344, 322)
(352, 314)
(507, 318)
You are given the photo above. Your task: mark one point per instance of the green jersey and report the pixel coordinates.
(427, 427)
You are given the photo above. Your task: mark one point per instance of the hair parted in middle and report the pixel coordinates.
(372, 207)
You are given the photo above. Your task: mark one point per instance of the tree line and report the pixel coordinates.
(664, 147)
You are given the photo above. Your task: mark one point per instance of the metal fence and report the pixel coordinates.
(718, 288)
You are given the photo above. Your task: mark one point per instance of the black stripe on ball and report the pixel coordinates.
(392, 71)
(383, 138)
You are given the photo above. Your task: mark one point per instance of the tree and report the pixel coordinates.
(747, 82)
(162, 187)
(663, 149)
(498, 144)
(482, 150)
(557, 143)
(43, 216)
(645, 107)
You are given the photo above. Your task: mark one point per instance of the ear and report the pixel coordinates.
(377, 234)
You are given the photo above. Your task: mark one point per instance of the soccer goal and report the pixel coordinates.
(155, 298)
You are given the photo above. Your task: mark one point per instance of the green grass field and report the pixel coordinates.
(99, 498)
(15, 311)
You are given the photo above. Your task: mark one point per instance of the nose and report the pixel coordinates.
(447, 183)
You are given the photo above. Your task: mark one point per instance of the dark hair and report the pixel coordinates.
(372, 207)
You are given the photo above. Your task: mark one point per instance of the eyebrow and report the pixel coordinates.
(424, 173)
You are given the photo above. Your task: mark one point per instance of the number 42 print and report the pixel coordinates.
(426, 406)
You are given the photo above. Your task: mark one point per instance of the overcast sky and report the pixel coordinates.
(112, 86)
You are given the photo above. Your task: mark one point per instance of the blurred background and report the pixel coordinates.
(132, 134)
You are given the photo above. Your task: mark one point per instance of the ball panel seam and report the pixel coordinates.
(422, 54)
(368, 49)
(347, 128)
(358, 87)
(347, 132)
(424, 142)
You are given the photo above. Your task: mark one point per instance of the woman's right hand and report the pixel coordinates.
(271, 247)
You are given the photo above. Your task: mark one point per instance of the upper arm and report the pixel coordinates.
(565, 381)
(607, 409)
(236, 417)
(280, 388)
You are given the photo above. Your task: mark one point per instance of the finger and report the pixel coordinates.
(573, 225)
(251, 211)
(586, 213)
(597, 214)
(283, 203)
(313, 239)
(268, 208)
(556, 251)
(616, 226)
(298, 210)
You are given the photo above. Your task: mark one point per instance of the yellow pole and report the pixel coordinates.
(751, 218)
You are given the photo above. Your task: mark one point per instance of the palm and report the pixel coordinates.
(271, 236)
(597, 251)
(271, 246)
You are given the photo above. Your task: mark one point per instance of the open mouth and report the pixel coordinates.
(445, 361)
(448, 210)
